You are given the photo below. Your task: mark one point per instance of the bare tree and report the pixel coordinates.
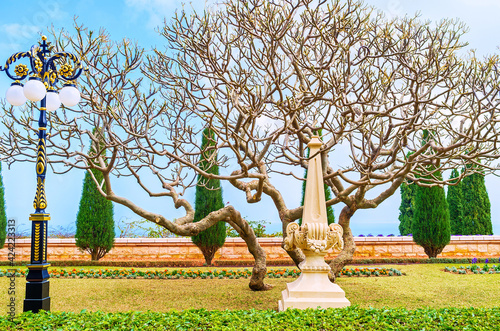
(264, 76)
(125, 106)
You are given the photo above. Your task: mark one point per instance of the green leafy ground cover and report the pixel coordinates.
(352, 318)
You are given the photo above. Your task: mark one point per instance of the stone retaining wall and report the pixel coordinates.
(136, 249)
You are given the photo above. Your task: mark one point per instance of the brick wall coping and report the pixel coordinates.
(152, 249)
(274, 240)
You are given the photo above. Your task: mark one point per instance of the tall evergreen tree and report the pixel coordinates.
(431, 219)
(95, 226)
(328, 194)
(3, 215)
(455, 205)
(476, 206)
(406, 208)
(209, 199)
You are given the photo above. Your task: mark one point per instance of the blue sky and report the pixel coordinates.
(21, 22)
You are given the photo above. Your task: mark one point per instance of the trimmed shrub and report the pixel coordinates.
(209, 199)
(95, 226)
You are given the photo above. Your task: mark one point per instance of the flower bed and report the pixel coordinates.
(202, 274)
(360, 272)
(242, 263)
(474, 269)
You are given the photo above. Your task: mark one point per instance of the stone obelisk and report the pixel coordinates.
(313, 289)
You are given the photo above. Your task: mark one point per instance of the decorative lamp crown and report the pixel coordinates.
(44, 77)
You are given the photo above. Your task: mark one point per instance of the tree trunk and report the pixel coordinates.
(208, 252)
(184, 226)
(349, 245)
(94, 255)
(259, 270)
(433, 251)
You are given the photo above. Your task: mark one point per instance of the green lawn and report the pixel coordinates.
(425, 285)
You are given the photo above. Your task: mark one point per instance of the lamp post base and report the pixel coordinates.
(35, 305)
(37, 288)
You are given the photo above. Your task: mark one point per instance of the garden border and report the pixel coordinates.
(241, 263)
(234, 250)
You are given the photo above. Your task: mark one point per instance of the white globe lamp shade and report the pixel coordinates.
(15, 95)
(34, 89)
(69, 95)
(52, 101)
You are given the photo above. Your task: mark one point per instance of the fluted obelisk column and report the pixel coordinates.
(313, 289)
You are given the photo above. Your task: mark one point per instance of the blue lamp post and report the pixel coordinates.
(42, 86)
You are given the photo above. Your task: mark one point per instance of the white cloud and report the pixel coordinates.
(10, 47)
(15, 31)
(28, 26)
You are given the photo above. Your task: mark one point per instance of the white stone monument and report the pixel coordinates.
(313, 289)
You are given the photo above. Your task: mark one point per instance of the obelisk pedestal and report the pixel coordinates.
(313, 288)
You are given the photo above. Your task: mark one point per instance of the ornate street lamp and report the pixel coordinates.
(42, 86)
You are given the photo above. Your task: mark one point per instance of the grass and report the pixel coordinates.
(425, 285)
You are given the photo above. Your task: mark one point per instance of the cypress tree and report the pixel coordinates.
(406, 208)
(209, 199)
(95, 226)
(3, 215)
(407, 190)
(455, 205)
(431, 216)
(328, 194)
(476, 206)
(431, 219)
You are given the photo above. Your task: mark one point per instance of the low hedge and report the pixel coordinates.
(193, 274)
(133, 264)
(351, 318)
(245, 263)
